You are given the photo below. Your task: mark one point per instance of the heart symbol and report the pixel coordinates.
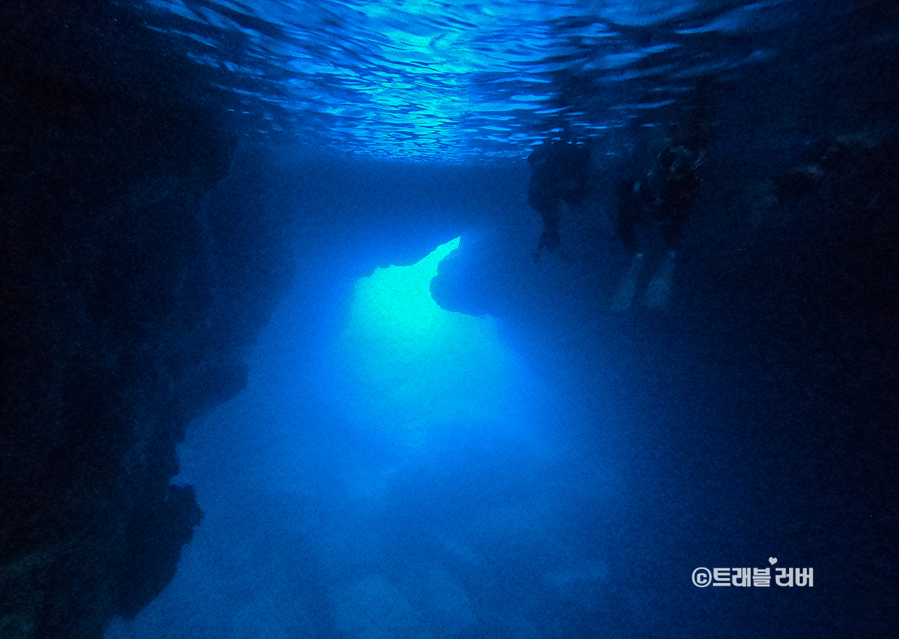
(772, 560)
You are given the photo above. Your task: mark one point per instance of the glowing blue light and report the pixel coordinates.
(409, 366)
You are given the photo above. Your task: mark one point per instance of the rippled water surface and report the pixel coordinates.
(455, 79)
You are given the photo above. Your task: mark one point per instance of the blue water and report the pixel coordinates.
(476, 80)
(441, 438)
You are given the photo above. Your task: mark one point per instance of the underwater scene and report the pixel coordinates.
(438, 319)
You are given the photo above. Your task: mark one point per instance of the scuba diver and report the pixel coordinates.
(559, 171)
(659, 202)
(662, 199)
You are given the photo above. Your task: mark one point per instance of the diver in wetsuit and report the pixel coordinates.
(559, 171)
(662, 199)
(675, 181)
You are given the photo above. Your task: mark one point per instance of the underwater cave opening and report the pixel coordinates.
(410, 367)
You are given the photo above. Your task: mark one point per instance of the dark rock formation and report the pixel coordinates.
(131, 282)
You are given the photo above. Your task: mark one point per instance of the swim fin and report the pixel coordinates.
(658, 291)
(628, 286)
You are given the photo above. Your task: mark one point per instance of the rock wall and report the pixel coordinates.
(133, 276)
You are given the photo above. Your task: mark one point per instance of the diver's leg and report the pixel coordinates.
(624, 295)
(549, 238)
(660, 287)
(672, 226)
(629, 214)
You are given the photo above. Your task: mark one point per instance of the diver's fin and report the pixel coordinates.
(658, 291)
(628, 286)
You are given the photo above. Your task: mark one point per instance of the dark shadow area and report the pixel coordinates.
(129, 290)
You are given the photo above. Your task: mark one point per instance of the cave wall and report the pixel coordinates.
(134, 277)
